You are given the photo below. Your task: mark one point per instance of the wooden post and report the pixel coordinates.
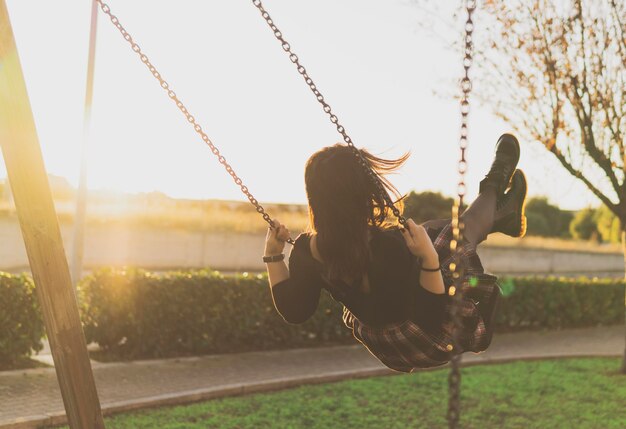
(81, 196)
(623, 236)
(42, 237)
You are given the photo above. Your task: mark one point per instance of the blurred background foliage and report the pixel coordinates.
(544, 218)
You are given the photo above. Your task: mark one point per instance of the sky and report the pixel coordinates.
(387, 78)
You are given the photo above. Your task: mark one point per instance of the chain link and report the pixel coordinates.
(190, 118)
(328, 110)
(454, 379)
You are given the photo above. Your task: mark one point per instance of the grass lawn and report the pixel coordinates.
(569, 393)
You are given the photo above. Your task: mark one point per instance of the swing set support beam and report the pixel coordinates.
(42, 238)
(78, 247)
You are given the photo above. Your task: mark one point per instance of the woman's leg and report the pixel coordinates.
(478, 218)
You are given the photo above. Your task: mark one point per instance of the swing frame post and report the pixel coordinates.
(42, 238)
(78, 246)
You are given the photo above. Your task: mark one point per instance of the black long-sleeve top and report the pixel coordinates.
(395, 294)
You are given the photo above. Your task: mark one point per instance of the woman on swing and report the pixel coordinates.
(392, 281)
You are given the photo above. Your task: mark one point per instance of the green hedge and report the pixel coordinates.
(558, 303)
(138, 314)
(21, 325)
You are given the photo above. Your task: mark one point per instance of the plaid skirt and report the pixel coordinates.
(404, 346)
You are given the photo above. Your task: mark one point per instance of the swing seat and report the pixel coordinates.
(405, 346)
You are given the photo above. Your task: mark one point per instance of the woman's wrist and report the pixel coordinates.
(431, 261)
(272, 252)
(274, 258)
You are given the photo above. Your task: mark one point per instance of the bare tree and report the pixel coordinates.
(555, 70)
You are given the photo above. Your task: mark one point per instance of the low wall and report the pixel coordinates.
(145, 247)
(110, 245)
(521, 260)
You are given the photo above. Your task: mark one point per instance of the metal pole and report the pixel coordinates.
(81, 197)
(42, 238)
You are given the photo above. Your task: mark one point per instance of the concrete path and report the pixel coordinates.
(31, 398)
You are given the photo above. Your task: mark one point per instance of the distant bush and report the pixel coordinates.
(558, 303)
(134, 313)
(608, 225)
(423, 206)
(21, 325)
(583, 226)
(537, 224)
(547, 220)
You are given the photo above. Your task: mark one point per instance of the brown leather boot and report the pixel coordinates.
(510, 215)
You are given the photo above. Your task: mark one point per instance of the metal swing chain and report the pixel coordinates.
(328, 110)
(466, 86)
(190, 118)
(454, 379)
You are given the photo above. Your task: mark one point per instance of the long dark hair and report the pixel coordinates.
(344, 204)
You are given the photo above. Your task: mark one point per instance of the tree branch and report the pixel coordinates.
(578, 174)
(622, 30)
(587, 138)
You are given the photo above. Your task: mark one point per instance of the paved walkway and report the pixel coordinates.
(31, 398)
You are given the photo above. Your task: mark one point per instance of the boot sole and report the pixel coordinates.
(523, 220)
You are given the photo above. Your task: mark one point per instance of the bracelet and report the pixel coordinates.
(274, 258)
(431, 270)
